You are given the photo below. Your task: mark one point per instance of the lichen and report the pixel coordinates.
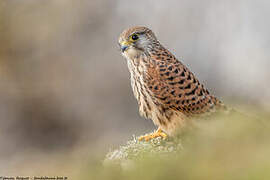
(136, 150)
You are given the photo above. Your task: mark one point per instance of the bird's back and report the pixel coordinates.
(177, 88)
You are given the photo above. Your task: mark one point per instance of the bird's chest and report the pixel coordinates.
(138, 72)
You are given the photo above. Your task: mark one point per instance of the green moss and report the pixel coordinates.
(138, 150)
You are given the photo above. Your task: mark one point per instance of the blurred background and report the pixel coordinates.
(64, 86)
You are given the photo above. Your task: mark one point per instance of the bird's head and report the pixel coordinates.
(136, 40)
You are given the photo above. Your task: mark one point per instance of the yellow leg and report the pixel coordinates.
(157, 133)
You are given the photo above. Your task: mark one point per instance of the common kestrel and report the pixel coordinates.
(166, 90)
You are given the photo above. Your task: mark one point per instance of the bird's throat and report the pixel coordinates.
(132, 53)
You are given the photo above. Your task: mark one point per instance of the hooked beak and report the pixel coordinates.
(124, 46)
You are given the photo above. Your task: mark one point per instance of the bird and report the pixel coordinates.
(167, 92)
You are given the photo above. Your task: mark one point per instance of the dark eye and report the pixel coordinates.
(134, 37)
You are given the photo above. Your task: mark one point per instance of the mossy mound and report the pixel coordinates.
(223, 148)
(138, 150)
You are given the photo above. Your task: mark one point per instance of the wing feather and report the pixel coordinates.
(174, 86)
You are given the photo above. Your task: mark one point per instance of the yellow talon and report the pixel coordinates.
(153, 135)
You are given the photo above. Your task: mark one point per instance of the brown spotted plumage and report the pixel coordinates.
(166, 90)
